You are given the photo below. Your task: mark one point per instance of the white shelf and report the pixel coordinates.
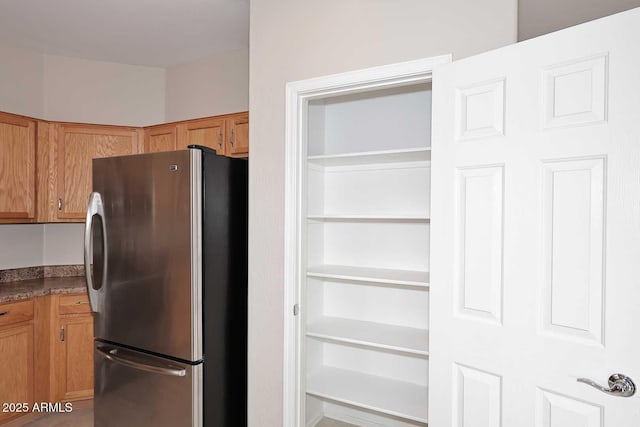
(376, 335)
(391, 397)
(373, 275)
(372, 157)
(370, 218)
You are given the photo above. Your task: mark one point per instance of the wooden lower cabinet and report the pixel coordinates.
(71, 351)
(16, 370)
(73, 358)
(46, 352)
(16, 360)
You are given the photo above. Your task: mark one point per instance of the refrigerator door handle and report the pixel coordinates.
(95, 208)
(114, 356)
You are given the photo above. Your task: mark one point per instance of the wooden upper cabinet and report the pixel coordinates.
(208, 132)
(160, 138)
(238, 136)
(17, 168)
(75, 148)
(45, 167)
(227, 135)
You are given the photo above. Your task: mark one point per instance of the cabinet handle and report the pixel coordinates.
(220, 139)
(82, 302)
(4, 313)
(62, 334)
(59, 204)
(232, 138)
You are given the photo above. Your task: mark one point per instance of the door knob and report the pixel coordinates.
(619, 385)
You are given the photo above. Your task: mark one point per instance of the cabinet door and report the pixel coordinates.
(17, 168)
(74, 358)
(160, 138)
(207, 132)
(238, 136)
(16, 367)
(76, 147)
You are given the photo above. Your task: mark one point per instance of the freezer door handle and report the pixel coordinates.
(95, 208)
(114, 355)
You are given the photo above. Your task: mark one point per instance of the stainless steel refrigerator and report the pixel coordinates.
(166, 261)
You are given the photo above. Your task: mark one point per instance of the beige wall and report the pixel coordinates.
(70, 89)
(21, 245)
(29, 245)
(62, 244)
(81, 90)
(61, 88)
(537, 17)
(213, 86)
(293, 40)
(20, 93)
(20, 81)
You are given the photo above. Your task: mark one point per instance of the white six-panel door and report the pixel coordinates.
(535, 257)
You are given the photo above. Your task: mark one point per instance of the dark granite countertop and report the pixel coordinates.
(27, 289)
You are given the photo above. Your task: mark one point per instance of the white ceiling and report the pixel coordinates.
(156, 33)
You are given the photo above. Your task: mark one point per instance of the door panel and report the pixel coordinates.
(479, 281)
(573, 210)
(536, 230)
(478, 397)
(127, 394)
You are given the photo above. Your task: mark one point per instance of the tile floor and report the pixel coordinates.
(84, 418)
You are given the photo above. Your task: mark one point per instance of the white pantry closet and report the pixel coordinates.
(367, 263)
(362, 251)
(527, 316)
